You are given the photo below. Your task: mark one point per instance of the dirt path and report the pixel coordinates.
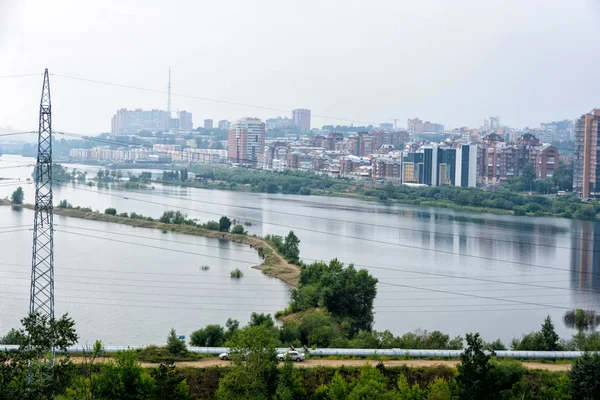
(213, 362)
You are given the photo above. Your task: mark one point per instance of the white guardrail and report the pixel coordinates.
(325, 352)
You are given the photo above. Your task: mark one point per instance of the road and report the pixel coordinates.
(213, 362)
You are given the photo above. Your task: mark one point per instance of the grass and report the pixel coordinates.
(155, 354)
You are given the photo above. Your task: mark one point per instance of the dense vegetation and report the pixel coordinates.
(507, 199)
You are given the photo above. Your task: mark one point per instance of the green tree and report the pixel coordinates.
(587, 211)
(224, 224)
(169, 383)
(110, 211)
(289, 384)
(17, 196)
(232, 325)
(584, 374)
(210, 336)
(473, 370)
(125, 379)
(528, 175)
(291, 248)
(254, 370)
(549, 335)
(12, 337)
(581, 319)
(371, 384)
(338, 388)
(174, 344)
(26, 373)
(439, 389)
(408, 392)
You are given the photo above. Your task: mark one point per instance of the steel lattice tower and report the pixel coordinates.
(41, 297)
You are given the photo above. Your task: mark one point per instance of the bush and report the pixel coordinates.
(238, 230)
(110, 211)
(211, 226)
(236, 273)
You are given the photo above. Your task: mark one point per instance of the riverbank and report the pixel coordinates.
(273, 264)
(503, 202)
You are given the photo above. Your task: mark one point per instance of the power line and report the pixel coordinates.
(204, 98)
(19, 76)
(153, 293)
(269, 311)
(329, 233)
(15, 133)
(254, 252)
(385, 283)
(478, 279)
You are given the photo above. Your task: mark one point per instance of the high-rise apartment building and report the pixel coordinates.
(185, 121)
(246, 143)
(126, 122)
(208, 124)
(586, 166)
(416, 126)
(224, 124)
(301, 119)
(466, 165)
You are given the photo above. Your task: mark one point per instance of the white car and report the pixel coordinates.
(224, 356)
(294, 355)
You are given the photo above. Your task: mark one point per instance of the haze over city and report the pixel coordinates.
(451, 62)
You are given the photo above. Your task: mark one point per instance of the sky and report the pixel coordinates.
(453, 62)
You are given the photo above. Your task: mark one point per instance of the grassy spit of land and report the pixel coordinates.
(273, 263)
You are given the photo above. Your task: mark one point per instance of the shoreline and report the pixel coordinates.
(447, 205)
(273, 265)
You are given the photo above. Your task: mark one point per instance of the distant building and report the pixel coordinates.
(224, 124)
(586, 171)
(208, 124)
(185, 121)
(301, 119)
(395, 138)
(416, 126)
(279, 123)
(246, 142)
(386, 126)
(126, 122)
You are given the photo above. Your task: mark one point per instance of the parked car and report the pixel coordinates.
(294, 355)
(224, 356)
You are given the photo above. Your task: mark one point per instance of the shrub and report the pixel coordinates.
(110, 211)
(238, 230)
(236, 273)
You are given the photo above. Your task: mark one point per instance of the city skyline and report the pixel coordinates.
(524, 69)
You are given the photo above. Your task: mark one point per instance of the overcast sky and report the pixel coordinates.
(448, 61)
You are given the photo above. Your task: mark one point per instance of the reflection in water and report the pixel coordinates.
(585, 257)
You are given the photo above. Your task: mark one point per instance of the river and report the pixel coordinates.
(124, 293)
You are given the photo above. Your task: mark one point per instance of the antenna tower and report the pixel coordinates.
(41, 296)
(169, 90)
